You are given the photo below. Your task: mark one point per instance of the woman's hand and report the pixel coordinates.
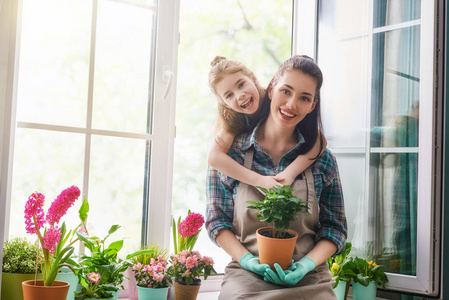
(251, 263)
(291, 276)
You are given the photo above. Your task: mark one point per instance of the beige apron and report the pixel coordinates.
(239, 283)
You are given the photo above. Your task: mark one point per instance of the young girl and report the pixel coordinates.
(240, 102)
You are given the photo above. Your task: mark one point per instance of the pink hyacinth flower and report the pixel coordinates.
(34, 208)
(51, 239)
(191, 225)
(61, 204)
(94, 277)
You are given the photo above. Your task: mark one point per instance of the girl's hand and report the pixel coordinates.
(284, 178)
(266, 182)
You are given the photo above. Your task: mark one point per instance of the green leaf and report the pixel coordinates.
(116, 246)
(113, 229)
(84, 209)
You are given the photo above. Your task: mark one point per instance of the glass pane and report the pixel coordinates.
(353, 180)
(54, 62)
(258, 33)
(116, 189)
(345, 71)
(393, 196)
(390, 12)
(48, 167)
(395, 88)
(123, 62)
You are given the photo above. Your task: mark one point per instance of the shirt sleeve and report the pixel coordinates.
(332, 211)
(220, 204)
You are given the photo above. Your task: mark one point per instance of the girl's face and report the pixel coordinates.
(239, 93)
(292, 98)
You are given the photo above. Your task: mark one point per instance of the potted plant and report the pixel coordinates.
(50, 238)
(104, 261)
(19, 264)
(341, 273)
(187, 267)
(94, 286)
(186, 232)
(278, 209)
(368, 276)
(143, 257)
(153, 279)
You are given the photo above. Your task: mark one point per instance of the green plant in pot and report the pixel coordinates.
(45, 226)
(341, 272)
(103, 261)
(19, 264)
(278, 209)
(367, 276)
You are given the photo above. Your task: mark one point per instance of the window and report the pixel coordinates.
(378, 117)
(257, 33)
(91, 111)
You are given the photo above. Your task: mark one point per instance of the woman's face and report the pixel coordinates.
(292, 98)
(239, 93)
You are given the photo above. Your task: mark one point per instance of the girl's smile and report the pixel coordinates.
(239, 93)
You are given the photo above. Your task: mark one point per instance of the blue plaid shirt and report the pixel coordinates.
(222, 190)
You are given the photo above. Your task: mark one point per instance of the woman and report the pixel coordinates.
(268, 150)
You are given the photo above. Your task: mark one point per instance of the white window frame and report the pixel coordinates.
(426, 281)
(167, 36)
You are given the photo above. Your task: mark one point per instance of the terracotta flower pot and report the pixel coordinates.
(186, 292)
(274, 250)
(35, 290)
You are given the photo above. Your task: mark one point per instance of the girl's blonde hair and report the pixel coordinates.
(231, 121)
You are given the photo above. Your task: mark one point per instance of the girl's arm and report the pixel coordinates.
(219, 160)
(301, 163)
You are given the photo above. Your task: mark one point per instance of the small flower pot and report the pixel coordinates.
(131, 284)
(276, 250)
(35, 290)
(186, 292)
(340, 290)
(360, 292)
(65, 274)
(152, 294)
(12, 284)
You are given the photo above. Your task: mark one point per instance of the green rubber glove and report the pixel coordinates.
(251, 263)
(293, 275)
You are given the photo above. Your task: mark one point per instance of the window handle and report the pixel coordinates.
(167, 77)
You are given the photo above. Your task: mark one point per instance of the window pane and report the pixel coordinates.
(123, 57)
(395, 88)
(54, 62)
(116, 188)
(258, 33)
(47, 162)
(393, 192)
(345, 71)
(390, 12)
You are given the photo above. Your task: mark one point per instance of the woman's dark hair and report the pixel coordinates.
(311, 126)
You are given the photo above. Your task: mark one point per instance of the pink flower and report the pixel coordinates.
(208, 261)
(138, 266)
(34, 208)
(51, 239)
(191, 262)
(61, 204)
(94, 277)
(158, 277)
(191, 224)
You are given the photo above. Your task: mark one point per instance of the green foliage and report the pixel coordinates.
(103, 260)
(339, 266)
(145, 255)
(19, 256)
(366, 271)
(279, 208)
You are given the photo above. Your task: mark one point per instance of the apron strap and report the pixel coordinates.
(249, 154)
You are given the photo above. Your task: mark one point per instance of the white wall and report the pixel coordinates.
(8, 13)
